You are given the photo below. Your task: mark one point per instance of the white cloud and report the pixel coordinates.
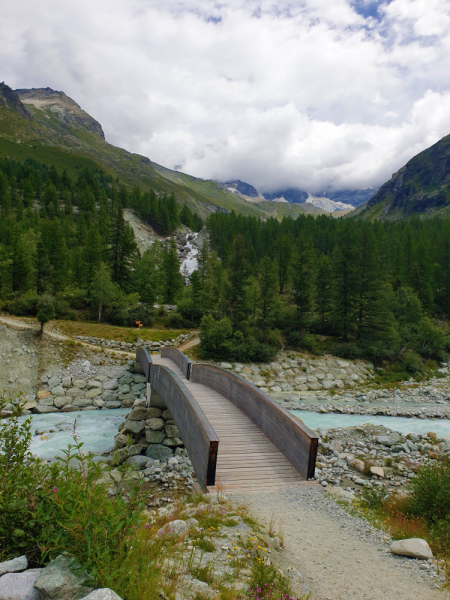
(277, 93)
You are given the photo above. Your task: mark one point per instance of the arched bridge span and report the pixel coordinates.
(236, 436)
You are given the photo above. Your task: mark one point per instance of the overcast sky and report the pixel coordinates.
(313, 94)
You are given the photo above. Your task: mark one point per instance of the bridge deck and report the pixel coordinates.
(247, 459)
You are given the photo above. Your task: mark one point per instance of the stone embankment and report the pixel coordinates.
(294, 373)
(372, 455)
(84, 386)
(149, 441)
(151, 346)
(307, 384)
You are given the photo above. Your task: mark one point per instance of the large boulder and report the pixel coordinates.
(14, 566)
(413, 547)
(61, 580)
(388, 440)
(19, 586)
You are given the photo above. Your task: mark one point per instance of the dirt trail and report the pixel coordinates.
(189, 344)
(48, 332)
(338, 559)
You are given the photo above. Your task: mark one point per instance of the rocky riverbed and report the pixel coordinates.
(372, 455)
(328, 384)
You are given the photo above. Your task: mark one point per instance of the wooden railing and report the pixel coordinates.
(296, 441)
(198, 436)
(145, 360)
(180, 359)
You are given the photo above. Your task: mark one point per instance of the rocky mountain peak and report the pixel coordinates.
(10, 98)
(61, 106)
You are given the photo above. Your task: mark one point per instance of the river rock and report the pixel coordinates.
(171, 431)
(133, 427)
(92, 393)
(176, 528)
(40, 410)
(79, 383)
(54, 382)
(14, 566)
(379, 471)
(102, 594)
(173, 442)
(158, 452)
(413, 547)
(139, 413)
(139, 462)
(61, 401)
(156, 424)
(154, 437)
(358, 465)
(58, 581)
(388, 440)
(112, 384)
(43, 394)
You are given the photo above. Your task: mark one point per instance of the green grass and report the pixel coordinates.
(112, 332)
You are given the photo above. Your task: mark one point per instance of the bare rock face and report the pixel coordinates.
(62, 107)
(10, 98)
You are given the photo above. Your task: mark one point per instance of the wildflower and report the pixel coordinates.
(55, 490)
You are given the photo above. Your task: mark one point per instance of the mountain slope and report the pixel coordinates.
(47, 125)
(421, 187)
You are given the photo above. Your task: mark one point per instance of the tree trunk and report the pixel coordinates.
(100, 306)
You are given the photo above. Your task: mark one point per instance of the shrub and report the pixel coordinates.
(374, 497)
(46, 509)
(24, 306)
(219, 342)
(430, 493)
(411, 361)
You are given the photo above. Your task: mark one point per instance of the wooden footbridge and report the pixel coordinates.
(236, 436)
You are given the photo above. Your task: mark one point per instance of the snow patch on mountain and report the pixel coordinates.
(328, 205)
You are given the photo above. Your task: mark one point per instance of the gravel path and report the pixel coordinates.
(339, 556)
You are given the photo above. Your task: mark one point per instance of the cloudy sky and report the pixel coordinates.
(316, 94)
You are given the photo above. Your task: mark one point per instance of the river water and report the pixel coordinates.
(403, 425)
(97, 428)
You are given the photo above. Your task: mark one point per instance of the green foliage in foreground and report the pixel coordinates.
(424, 512)
(47, 509)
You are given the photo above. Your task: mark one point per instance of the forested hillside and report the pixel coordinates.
(48, 126)
(356, 288)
